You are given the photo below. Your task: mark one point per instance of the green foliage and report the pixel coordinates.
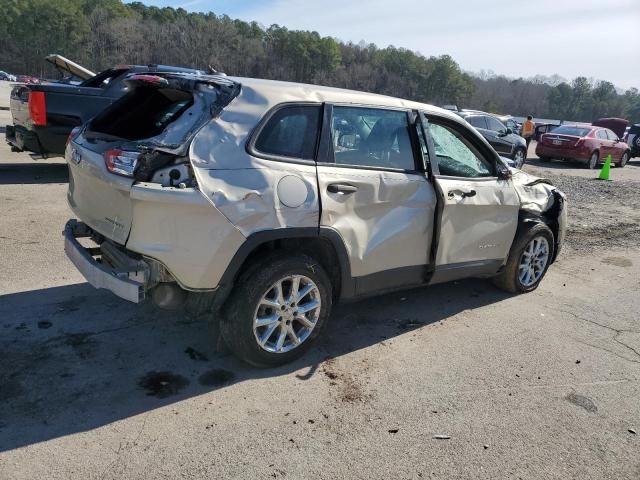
(101, 33)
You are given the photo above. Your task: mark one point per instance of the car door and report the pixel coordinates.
(479, 206)
(604, 144)
(501, 141)
(375, 195)
(617, 147)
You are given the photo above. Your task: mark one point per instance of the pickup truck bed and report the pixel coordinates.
(43, 126)
(67, 106)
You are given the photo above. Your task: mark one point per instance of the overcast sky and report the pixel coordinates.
(592, 38)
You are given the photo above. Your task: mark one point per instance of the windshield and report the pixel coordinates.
(574, 131)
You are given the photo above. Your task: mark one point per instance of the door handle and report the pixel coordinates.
(341, 188)
(452, 193)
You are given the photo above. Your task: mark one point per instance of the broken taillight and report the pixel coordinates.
(121, 162)
(37, 108)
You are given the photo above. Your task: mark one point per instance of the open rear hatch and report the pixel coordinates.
(147, 129)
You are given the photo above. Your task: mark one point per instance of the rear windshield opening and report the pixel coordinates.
(143, 113)
(575, 131)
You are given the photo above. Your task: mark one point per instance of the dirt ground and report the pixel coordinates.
(453, 381)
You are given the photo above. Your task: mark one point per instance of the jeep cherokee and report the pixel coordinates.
(268, 202)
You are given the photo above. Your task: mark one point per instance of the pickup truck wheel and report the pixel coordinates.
(529, 259)
(277, 310)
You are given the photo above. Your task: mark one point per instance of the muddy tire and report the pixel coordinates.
(529, 259)
(277, 310)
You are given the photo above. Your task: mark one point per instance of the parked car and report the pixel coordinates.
(616, 125)
(588, 144)
(504, 140)
(27, 79)
(44, 114)
(511, 123)
(632, 138)
(270, 201)
(542, 128)
(7, 77)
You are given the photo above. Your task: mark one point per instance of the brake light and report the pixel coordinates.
(37, 108)
(121, 162)
(73, 134)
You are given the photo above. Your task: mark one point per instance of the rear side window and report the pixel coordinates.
(611, 135)
(291, 132)
(478, 122)
(602, 134)
(372, 137)
(143, 113)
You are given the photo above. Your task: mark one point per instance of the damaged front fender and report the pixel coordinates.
(541, 201)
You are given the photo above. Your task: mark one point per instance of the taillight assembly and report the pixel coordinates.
(121, 162)
(579, 143)
(37, 108)
(73, 134)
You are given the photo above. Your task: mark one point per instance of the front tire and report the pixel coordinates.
(277, 310)
(529, 259)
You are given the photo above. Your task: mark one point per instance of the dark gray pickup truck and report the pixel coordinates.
(44, 114)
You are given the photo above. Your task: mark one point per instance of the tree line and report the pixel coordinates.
(99, 34)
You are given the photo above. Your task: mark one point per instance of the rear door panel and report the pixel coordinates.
(386, 224)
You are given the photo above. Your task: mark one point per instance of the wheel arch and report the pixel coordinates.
(551, 218)
(323, 244)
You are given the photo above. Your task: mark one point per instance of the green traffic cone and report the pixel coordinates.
(604, 173)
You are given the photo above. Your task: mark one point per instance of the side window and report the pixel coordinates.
(602, 135)
(291, 132)
(496, 125)
(478, 122)
(456, 155)
(611, 135)
(371, 137)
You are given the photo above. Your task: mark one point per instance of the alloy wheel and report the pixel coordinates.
(518, 158)
(287, 314)
(533, 261)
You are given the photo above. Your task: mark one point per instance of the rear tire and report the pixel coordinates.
(623, 161)
(262, 321)
(593, 160)
(531, 252)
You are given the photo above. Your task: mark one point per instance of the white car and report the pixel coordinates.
(269, 201)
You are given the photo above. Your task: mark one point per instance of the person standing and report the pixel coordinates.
(528, 130)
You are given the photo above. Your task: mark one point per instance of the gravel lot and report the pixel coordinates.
(544, 385)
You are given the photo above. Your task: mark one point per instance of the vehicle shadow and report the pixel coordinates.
(75, 358)
(33, 173)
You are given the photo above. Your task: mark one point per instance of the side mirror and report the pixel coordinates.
(502, 171)
(509, 131)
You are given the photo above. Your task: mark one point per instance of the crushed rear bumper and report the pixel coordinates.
(106, 265)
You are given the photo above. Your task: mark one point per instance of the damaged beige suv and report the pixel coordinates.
(267, 202)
